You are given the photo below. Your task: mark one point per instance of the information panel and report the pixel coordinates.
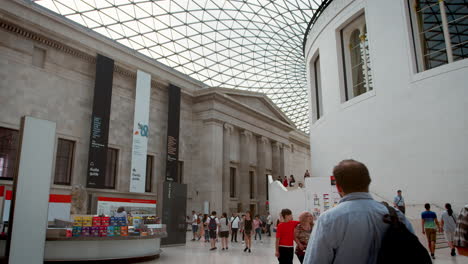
(136, 207)
(173, 126)
(174, 196)
(140, 132)
(100, 122)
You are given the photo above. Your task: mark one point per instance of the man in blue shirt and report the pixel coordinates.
(351, 232)
(429, 227)
(399, 202)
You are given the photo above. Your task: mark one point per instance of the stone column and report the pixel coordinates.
(228, 129)
(288, 170)
(276, 156)
(211, 182)
(282, 169)
(244, 168)
(262, 143)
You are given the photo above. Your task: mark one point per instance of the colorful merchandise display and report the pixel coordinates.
(97, 226)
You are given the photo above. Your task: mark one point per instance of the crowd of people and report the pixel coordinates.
(358, 230)
(291, 181)
(212, 229)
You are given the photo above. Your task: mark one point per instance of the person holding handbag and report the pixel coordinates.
(448, 224)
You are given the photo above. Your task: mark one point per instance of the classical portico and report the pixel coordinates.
(245, 138)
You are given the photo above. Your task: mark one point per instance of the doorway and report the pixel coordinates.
(252, 210)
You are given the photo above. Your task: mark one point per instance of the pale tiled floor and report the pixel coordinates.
(197, 252)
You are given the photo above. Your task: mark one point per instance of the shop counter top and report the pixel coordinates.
(95, 249)
(82, 238)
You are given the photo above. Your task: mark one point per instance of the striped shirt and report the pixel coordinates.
(461, 232)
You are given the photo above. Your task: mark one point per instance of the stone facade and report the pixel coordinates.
(242, 133)
(220, 128)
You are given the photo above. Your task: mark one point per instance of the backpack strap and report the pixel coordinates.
(391, 217)
(399, 200)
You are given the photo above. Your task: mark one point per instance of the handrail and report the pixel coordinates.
(316, 15)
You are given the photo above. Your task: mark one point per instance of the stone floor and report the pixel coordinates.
(197, 252)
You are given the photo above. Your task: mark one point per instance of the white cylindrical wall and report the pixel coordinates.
(411, 130)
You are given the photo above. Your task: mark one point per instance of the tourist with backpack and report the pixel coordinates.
(235, 224)
(213, 224)
(430, 225)
(224, 227)
(353, 231)
(448, 223)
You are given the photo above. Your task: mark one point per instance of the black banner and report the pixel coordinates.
(173, 125)
(173, 213)
(100, 122)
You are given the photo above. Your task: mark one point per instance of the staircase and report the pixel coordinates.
(440, 241)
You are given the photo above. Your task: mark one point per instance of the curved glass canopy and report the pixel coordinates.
(253, 45)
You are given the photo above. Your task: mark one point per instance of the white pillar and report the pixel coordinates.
(31, 201)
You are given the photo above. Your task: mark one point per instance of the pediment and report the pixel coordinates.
(261, 104)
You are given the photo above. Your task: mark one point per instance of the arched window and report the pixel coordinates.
(357, 62)
(356, 58)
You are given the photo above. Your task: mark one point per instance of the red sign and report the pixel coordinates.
(8, 195)
(125, 200)
(59, 198)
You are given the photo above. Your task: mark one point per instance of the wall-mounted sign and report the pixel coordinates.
(100, 122)
(136, 207)
(173, 126)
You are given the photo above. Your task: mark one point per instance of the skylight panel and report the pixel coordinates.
(250, 45)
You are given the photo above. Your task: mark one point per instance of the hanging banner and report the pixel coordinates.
(140, 132)
(173, 125)
(100, 122)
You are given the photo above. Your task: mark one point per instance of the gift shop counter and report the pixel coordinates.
(62, 249)
(94, 238)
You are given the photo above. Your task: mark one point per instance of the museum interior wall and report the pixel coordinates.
(409, 127)
(47, 70)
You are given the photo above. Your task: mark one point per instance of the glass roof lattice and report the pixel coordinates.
(253, 45)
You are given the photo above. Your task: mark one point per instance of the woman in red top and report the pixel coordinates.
(285, 238)
(285, 182)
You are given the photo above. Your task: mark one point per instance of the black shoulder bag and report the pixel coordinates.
(399, 245)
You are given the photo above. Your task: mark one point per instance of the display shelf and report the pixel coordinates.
(81, 238)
